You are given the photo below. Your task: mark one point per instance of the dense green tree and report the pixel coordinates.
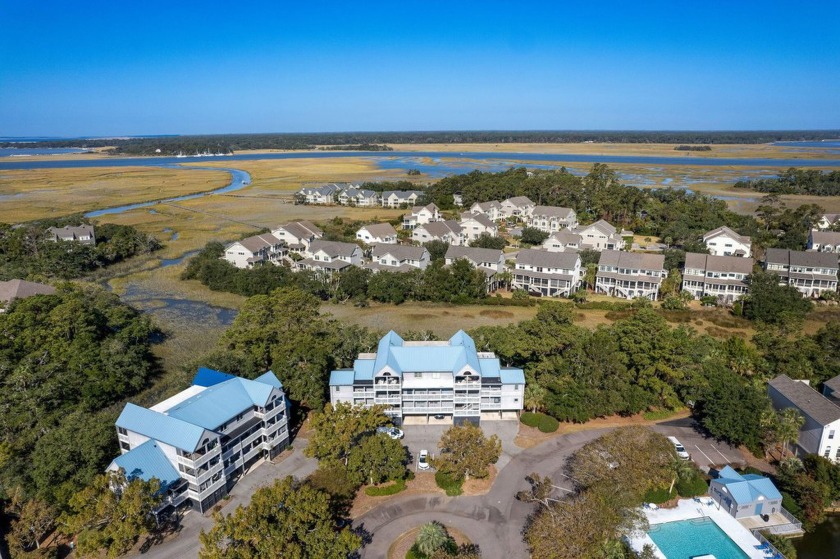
(337, 429)
(772, 303)
(485, 240)
(289, 518)
(437, 249)
(111, 514)
(431, 537)
(532, 236)
(466, 452)
(34, 520)
(377, 459)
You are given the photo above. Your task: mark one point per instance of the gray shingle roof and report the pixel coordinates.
(333, 248)
(546, 259)
(258, 242)
(826, 237)
(552, 211)
(380, 230)
(726, 231)
(481, 218)
(789, 257)
(71, 232)
(733, 264)
(302, 229)
(474, 254)
(833, 384)
(520, 201)
(21, 289)
(809, 401)
(632, 260)
(400, 252)
(441, 228)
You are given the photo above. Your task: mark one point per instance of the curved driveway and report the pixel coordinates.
(494, 521)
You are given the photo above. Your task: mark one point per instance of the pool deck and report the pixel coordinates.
(688, 509)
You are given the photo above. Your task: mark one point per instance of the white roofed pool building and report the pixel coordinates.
(431, 380)
(198, 442)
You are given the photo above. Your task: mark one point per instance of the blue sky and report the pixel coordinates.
(120, 68)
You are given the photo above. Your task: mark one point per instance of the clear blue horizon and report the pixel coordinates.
(119, 69)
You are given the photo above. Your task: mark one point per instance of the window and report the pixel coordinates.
(831, 434)
(827, 452)
(122, 431)
(337, 388)
(124, 445)
(418, 375)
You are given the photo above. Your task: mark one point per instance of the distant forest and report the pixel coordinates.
(797, 181)
(226, 143)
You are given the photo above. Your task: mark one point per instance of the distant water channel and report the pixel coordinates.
(822, 543)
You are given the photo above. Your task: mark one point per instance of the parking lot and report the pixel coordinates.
(420, 437)
(705, 451)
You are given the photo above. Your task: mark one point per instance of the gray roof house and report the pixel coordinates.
(820, 433)
(548, 274)
(517, 206)
(21, 289)
(447, 231)
(397, 198)
(298, 234)
(257, 249)
(398, 258)
(83, 234)
(489, 260)
(723, 277)
(330, 256)
(377, 233)
(831, 389)
(812, 273)
(723, 241)
(563, 241)
(824, 241)
(630, 274)
(551, 218)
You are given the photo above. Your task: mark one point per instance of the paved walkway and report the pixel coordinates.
(186, 545)
(494, 520)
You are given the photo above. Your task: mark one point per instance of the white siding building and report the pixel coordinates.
(446, 231)
(421, 216)
(551, 218)
(83, 234)
(812, 273)
(723, 241)
(550, 274)
(518, 207)
(259, 249)
(377, 234)
(491, 209)
(398, 258)
(488, 260)
(824, 241)
(475, 225)
(821, 432)
(200, 441)
(630, 275)
(298, 235)
(424, 382)
(724, 277)
(330, 256)
(400, 198)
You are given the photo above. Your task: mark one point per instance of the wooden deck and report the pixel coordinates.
(776, 524)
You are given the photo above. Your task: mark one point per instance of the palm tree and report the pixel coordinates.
(432, 536)
(682, 469)
(534, 396)
(790, 421)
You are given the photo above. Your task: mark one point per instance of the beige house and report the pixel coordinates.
(629, 274)
(377, 234)
(259, 249)
(724, 277)
(723, 241)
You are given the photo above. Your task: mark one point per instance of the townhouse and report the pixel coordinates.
(827, 221)
(518, 207)
(629, 274)
(824, 241)
(445, 231)
(258, 249)
(200, 441)
(491, 209)
(398, 258)
(83, 234)
(724, 277)
(551, 218)
(421, 216)
(723, 241)
(330, 256)
(298, 235)
(562, 241)
(400, 198)
(320, 195)
(358, 197)
(811, 273)
(431, 382)
(488, 260)
(475, 225)
(548, 274)
(600, 236)
(377, 234)
(820, 434)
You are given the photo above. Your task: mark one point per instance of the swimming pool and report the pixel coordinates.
(691, 538)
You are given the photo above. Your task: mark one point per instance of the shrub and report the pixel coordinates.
(659, 495)
(784, 545)
(657, 415)
(450, 485)
(545, 423)
(693, 486)
(392, 489)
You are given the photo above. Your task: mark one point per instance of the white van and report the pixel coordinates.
(681, 451)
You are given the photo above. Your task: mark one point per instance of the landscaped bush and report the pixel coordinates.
(392, 489)
(541, 421)
(604, 306)
(693, 486)
(448, 484)
(657, 415)
(784, 545)
(659, 496)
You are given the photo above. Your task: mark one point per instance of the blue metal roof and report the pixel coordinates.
(512, 376)
(155, 425)
(147, 461)
(271, 379)
(221, 402)
(746, 489)
(364, 368)
(342, 378)
(210, 377)
(489, 367)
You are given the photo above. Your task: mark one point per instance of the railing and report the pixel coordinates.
(760, 537)
(793, 525)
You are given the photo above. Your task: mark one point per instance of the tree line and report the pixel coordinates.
(26, 253)
(811, 182)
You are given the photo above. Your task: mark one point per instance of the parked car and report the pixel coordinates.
(392, 432)
(679, 448)
(423, 460)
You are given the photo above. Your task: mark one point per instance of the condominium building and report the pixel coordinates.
(491, 261)
(444, 381)
(824, 241)
(551, 218)
(723, 241)
(629, 274)
(199, 441)
(820, 433)
(724, 277)
(446, 231)
(549, 274)
(259, 249)
(812, 273)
